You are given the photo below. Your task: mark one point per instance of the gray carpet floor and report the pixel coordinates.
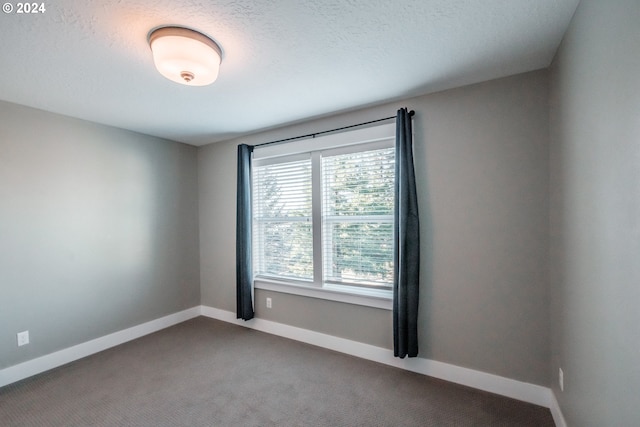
(208, 373)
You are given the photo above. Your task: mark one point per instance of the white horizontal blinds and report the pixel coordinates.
(282, 226)
(358, 199)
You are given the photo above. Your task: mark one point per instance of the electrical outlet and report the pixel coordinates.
(23, 338)
(268, 302)
(561, 379)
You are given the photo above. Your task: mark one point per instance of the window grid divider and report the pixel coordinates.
(316, 203)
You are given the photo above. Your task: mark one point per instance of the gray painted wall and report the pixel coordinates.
(482, 165)
(98, 230)
(595, 215)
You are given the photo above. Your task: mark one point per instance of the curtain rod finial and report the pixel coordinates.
(412, 113)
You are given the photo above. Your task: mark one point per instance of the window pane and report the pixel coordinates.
(359, 183)
(282, 236)
(359, 253)
(358, 198)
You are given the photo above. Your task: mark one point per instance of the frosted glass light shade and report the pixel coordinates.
(185, 56)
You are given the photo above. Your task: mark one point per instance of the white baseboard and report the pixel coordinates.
(526, 392)
(44, 363)
(558, 418)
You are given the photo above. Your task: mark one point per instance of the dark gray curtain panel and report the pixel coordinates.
(244, 272)
(407, 244)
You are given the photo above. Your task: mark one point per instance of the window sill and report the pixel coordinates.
(367, 297)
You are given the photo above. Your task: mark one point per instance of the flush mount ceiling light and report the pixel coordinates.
(185, 56)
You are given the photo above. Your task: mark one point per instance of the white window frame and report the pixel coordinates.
(369, 138)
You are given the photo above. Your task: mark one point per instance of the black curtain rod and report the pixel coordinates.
(313, 135)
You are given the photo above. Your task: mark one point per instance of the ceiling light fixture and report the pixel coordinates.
(185, 56)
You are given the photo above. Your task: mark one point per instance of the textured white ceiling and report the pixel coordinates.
(283, 61)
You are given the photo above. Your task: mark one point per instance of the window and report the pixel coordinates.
(357, 218)
(323, 215)
(282, 224)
